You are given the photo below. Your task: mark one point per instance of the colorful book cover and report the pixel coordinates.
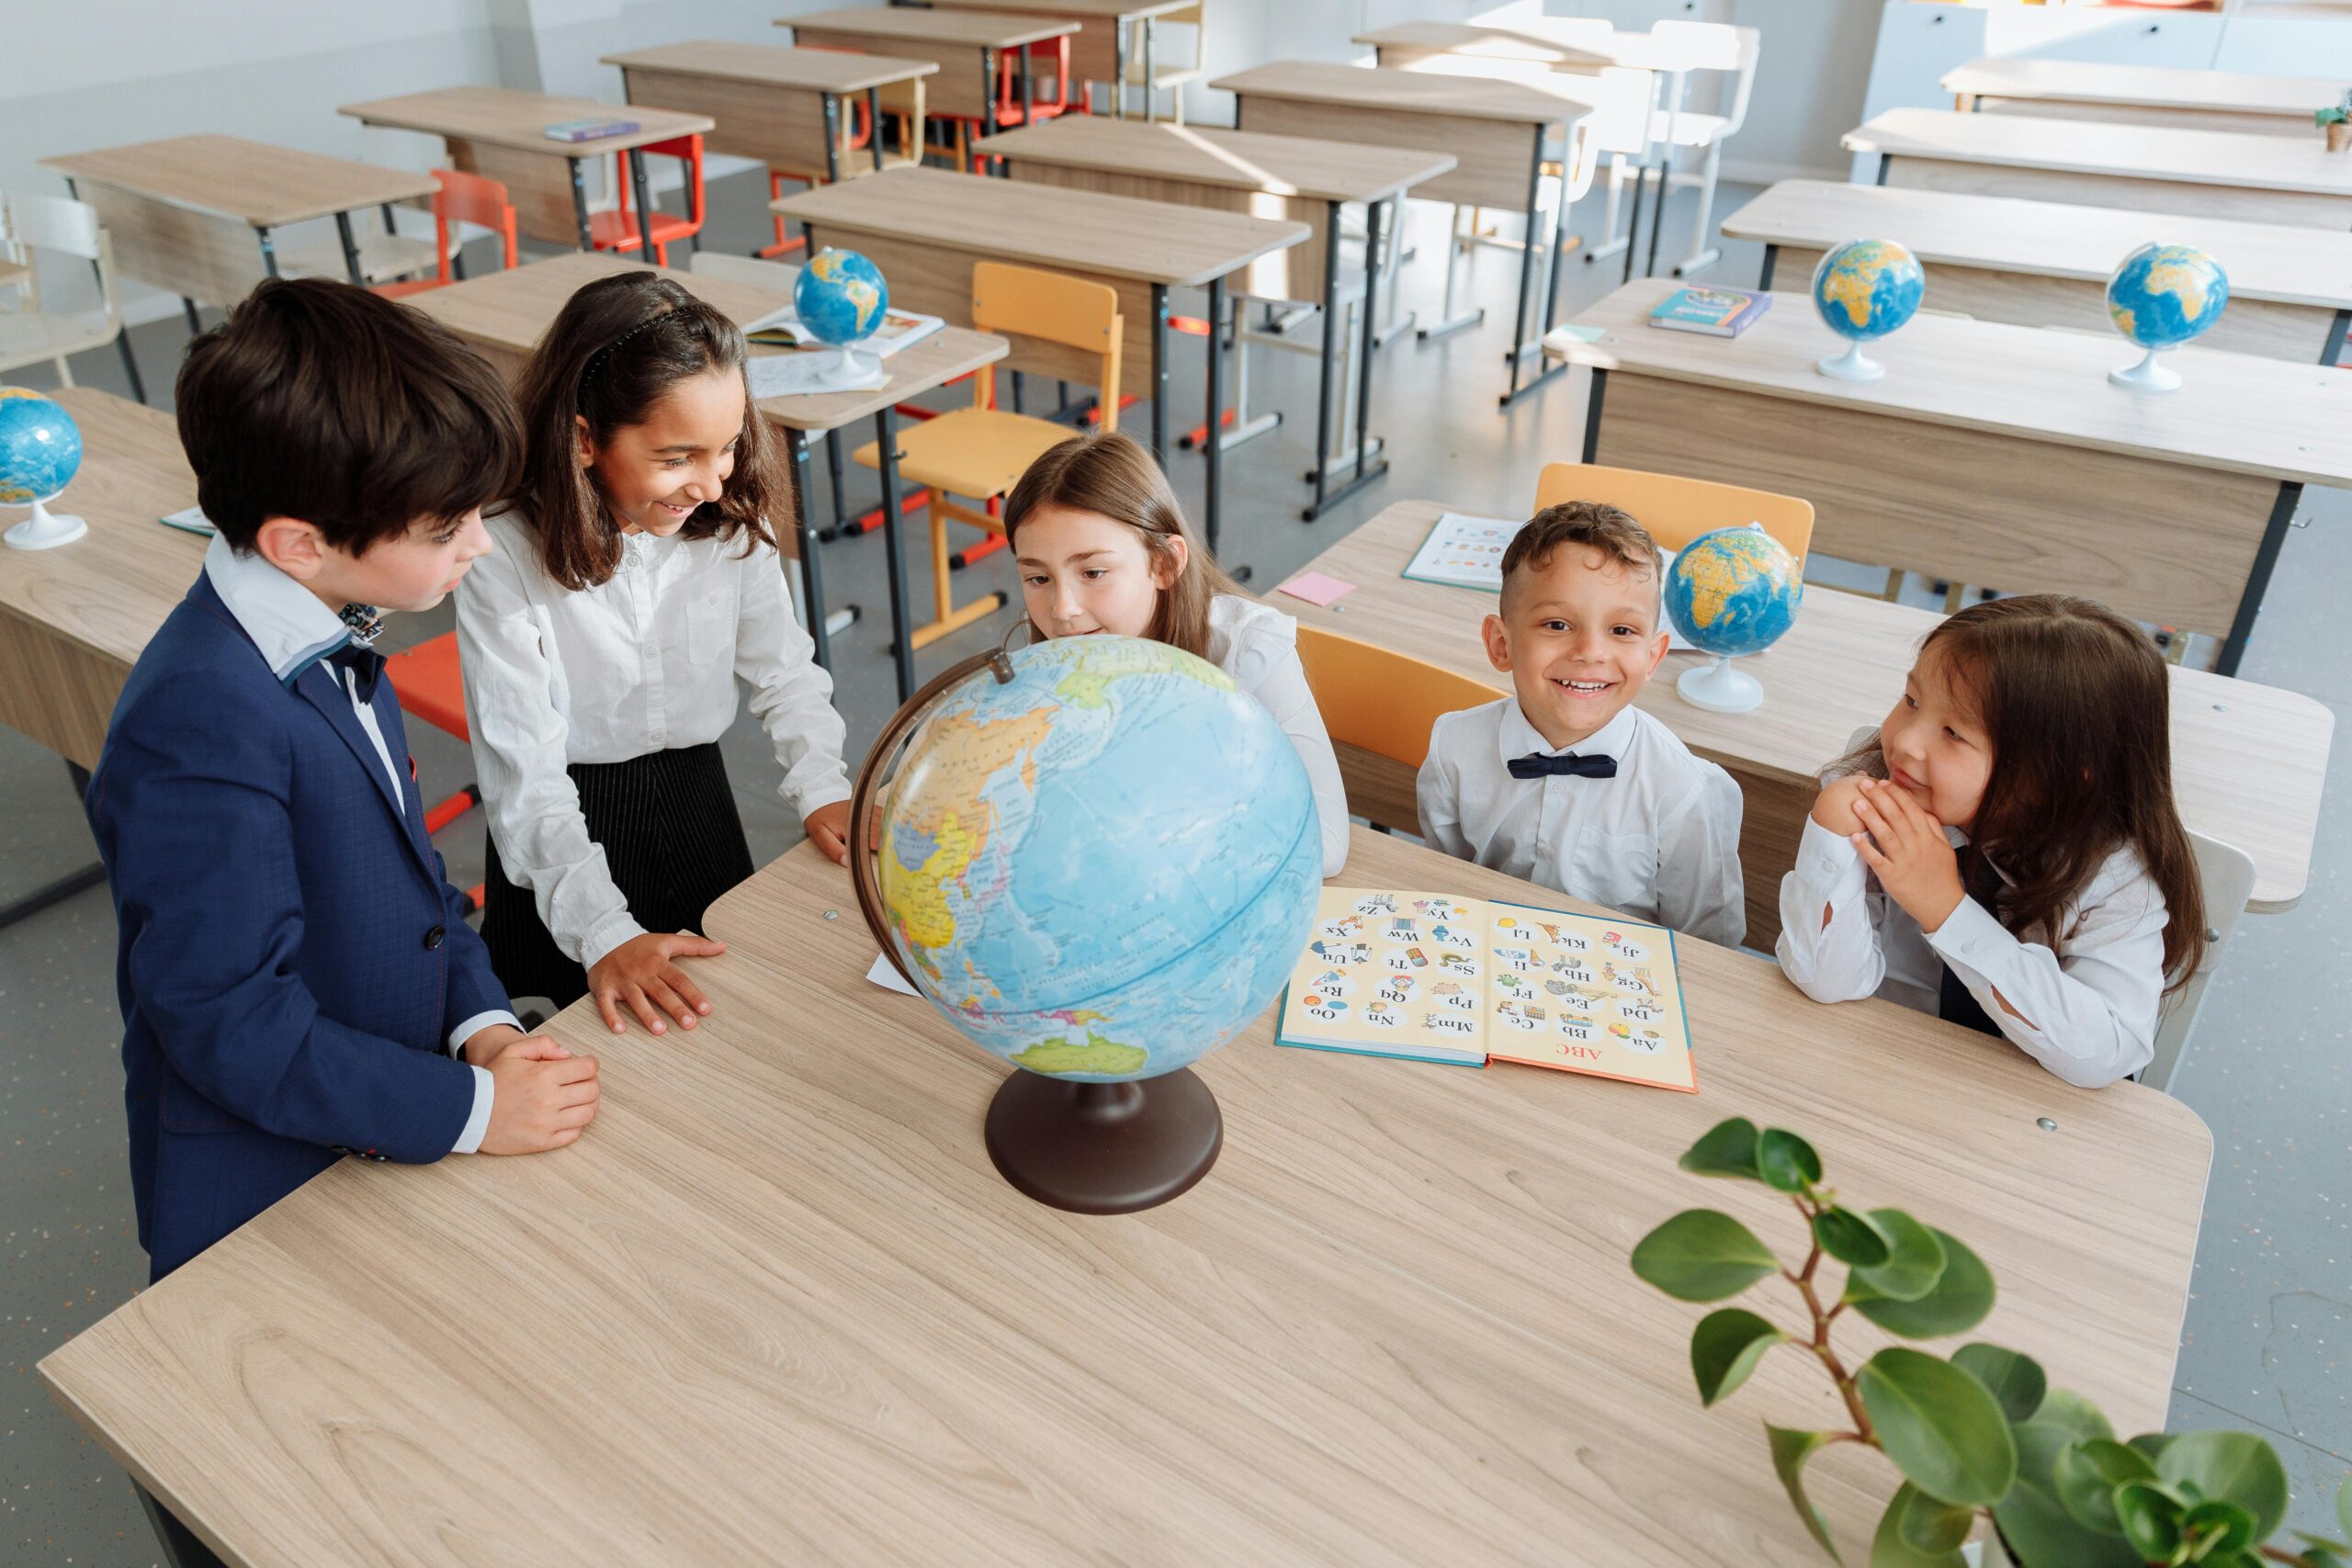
(1717, 312)
(783, 329)
(589, 129)
(1463, 551)
(1434, 978)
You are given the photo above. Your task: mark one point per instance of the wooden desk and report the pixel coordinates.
(194, 214)
(1498, 132)
(1111, 33)
(778, 104)
(2143, 94)
(1990, 454)
(1562, 42)
(2148, 168)
(925, 228)
(1290, 177)
(502, 315)
(2042, 264)
(501, 133)
(2249, 761)
(778, 1306)
(965, 45)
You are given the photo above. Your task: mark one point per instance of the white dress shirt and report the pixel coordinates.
(1257, 646)
(2090, 1006)
(644, 662)
(1660, 842)
(294, 629)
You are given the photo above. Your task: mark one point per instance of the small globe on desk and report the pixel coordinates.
(842, 300)
(1733, 593)
(1099, 859)
(2160, 296)
(1865, 289)
(40, 451)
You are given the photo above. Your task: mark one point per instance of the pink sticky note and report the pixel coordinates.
(1318, 588)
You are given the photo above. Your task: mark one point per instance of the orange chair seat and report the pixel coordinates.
(430, 684)
(617, 231)
(977, 452)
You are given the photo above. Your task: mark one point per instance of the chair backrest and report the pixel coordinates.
(2225, 876)
(1378, 705)
(1677, 511)
(1052, 308)
(780, 277)
(1720, 46)
(50, 223)
(471, 198)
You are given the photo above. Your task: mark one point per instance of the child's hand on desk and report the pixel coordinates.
(1902, 841)
(483, 1045)
(828, 827)
(1835, 808)
(638, 972)
(541, 1096)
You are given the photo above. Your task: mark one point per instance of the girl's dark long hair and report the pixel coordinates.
(615, 349)
(2077, 705)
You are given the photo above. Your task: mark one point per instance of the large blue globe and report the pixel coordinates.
(1734, 592)
(841, 296)
(2161, 295)
(1867, 288)
(41, 448)
(1104, 868)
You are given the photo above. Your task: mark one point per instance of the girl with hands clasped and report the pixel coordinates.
(2005, 852)
(635, 578)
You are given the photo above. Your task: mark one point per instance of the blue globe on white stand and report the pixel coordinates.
(842, 300)
(1733, 593)
(2160, 296)
(40, 451)
(1865, 289)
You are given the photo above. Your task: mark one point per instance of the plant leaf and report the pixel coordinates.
(1789, 1450)
(1701, 1255)
(2153, 1443)
(2150, 1517)
(2088, 1472)
(2040, 1533)
(2016, 1381)
(1939, 1427)
(2229, 1526)
(1914, 1261)
(1962, 1294)
(1850, 1238)
(1728, 1148)
(2077, 1416)
(2234, 1467)
(1931, 1527)
(1786, 1160)
(2343, 1505)
(1889, 1547)
(1724, 1350)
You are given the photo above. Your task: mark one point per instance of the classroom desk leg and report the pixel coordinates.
(122, 338)
(1028, 92)
(1366, 472)
(986, 124)
(194, 323)
(1326, 382)
(833, 472)
(1884, 163)
(1657, 213)
(833, 110)
(2335, 334)
(1151, 41)
(64, 887)
(1764, 272)
(2257, 578)
(902, 642)
(580, 204)
(1519, 348)
(1634, 223)
(1214, 444)
(268, 251)
(1373, 215)
(644, 204)
(1119, 74)
(813, 575)
(1449, 321)
(1159, 375)
(1593, 415)
(874, 125)
(350, 249)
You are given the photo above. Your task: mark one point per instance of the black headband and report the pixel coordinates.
(596, 360)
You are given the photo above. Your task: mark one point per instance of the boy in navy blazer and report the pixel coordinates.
(297, 977)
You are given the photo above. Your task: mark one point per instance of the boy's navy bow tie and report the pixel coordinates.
(365, 663)
(1535, 765)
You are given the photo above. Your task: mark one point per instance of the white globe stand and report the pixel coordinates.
(45, 530)
(2146, 376)
(1851, 366)
(850, 370)
(1719, 688)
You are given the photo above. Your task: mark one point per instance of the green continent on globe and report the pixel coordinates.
(1090, 685)
(1851, 281)
(956, 830)
(1097, 1055)
(1716, 576)
(862, 295)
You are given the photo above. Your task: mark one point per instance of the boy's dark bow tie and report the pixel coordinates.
(1535, 765)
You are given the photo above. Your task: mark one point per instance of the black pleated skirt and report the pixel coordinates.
(672, 840)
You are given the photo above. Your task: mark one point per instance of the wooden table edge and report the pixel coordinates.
(992, 349)
(1443, 164)
(412, 187)
(682, 124)
(887, 71)
(1566, 113)
(1045, 31)
(1858, 141)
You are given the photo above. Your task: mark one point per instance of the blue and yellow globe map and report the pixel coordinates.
(2161, 295)
(1104, 868)
(1867, 288)
(41, 448)
(841, 296)
(1734, 591)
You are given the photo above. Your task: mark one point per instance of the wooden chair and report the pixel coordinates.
(1171, 64)
(1006, 114)
(1677, 511)
(982, 451)
(1378, 705)
(1727, 51)
(31, 334)
(616, 229)
(462, 198)
(2226, 875)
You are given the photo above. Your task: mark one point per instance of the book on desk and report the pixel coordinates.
(1711, 312)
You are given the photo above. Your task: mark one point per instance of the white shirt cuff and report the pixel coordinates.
(1970, 936)
(816, 797)
(1830, 865)
(476, 1124)
(475, 1025)
(608, 934)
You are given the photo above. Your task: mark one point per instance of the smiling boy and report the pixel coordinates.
(1566, 783)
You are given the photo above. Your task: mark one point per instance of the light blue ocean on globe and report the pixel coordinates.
(841, 296)
(41, 448)
(1867, 288)
(1734, 592)
(2161, 295)
(1104, 868)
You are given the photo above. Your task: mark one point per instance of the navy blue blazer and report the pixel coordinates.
(291, 957)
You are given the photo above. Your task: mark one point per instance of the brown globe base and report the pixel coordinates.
(1104, 1148)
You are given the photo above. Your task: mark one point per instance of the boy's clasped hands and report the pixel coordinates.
(542, 1096)
(1899, 840)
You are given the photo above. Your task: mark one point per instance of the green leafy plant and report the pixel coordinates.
(1977, 1434)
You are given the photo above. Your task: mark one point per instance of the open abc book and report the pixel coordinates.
(1432, 977)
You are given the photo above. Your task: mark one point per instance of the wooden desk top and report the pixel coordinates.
(2245, 159)
(967, 29)
(251, 182)
(2265, 261)
(2151, 87)
(1113, 236)
(935, 360)
(109, 591)
(1528, 101)
(1283, 166)
(778, 1306)
(1084, 10)
(775, 65)
(2249, 761)
(2237, 413)
(1555, 40)
(509, 117)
